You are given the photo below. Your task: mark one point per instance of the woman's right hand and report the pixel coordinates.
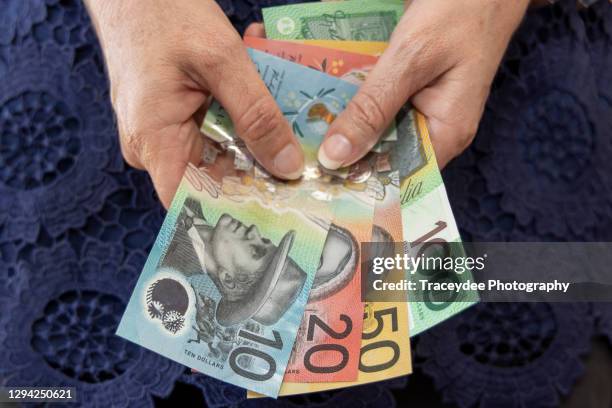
(164, 58)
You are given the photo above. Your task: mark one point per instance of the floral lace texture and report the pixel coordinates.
(69, 308)
(58, 142)
(510, 355)
(220, 394)
(603, 318)
(76, 224)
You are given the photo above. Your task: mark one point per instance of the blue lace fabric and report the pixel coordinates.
(218, 394)
(508, 355)
(603, 316)
(76, 223)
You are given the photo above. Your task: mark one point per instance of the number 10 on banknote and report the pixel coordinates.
(224, 287)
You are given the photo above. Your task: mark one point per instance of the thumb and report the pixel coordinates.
(410, 62)
(256, 116)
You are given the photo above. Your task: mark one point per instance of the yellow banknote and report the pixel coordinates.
(361, 47)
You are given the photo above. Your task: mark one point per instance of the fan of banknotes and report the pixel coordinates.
(257, 282)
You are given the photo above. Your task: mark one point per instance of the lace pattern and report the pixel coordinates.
(508, 354)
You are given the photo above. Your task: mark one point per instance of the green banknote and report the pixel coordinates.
(428, 225)
(358, 20)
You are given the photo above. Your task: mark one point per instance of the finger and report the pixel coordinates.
(165, 156)
(413, 59)
(129, 155)
(453, 107)
(255, 30)
(200, 113)
(443, 139)
(257, 119)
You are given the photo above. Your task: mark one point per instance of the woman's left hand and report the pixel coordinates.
(442, 56)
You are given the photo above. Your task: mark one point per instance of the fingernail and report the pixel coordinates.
(335, 151)
(289, 162)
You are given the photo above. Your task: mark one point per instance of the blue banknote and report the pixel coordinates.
(310, 100)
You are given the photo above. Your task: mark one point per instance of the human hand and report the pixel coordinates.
(164, 58)
(442, 57)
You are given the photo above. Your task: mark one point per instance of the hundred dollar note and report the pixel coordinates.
(429, 223)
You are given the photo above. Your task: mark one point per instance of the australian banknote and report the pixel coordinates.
(385, 349)
(419, 176)
(343, 65)
(327, 347)
(224, 288)
(341, 20)
(348, 66)
(372, 175)
(428, 222)
(373, 48)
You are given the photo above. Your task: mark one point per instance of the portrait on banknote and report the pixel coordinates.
(256, 278)
(245, 266)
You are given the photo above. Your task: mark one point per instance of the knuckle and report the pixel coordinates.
(215, 56)
(367, 113)
(259, 121)
(407, 47)
(129, 157)
(466, 134)
(133, 145)
(471, 132)
(421, 53)
(130, 126)
(202, 59)
(416, 48)
(126, 143)
(134, 141)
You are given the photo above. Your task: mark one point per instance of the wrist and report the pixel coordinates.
(107, 17)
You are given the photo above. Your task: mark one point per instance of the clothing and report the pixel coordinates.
(76, 223)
